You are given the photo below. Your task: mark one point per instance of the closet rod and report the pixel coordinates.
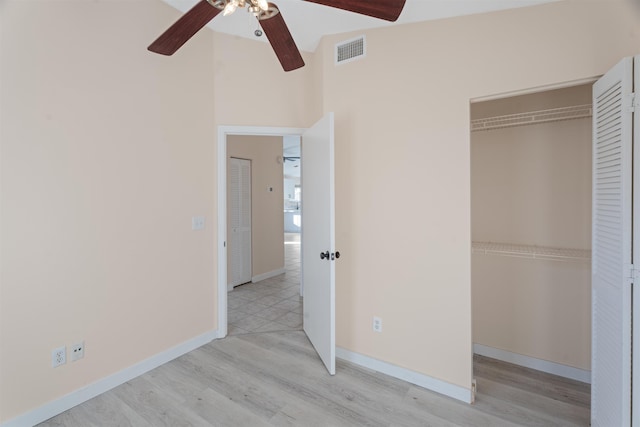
(533, 117)
(531, 251)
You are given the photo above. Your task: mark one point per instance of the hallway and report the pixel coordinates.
(272, 304)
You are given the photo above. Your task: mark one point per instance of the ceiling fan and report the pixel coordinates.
(270, 19)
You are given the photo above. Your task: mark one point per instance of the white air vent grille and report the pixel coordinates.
(350, 50)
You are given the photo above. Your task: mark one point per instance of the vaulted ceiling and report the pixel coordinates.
(308, 22)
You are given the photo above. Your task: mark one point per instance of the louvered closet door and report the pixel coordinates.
(240, 221)
(635, 386)
(611, 245)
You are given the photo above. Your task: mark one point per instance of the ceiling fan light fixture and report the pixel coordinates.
(230, 7)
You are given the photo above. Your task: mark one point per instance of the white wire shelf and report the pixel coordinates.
(531, 118)
(529, 251)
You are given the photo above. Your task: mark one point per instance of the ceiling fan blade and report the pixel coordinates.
(280, 38)
(388, 10)
(184, 28)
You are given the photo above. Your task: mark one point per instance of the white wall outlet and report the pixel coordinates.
(377, 324)
(77, 351)
(197, 223)
(58, 356)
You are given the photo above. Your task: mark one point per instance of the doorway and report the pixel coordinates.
(223, 133)
(318, 272)
(267, 299)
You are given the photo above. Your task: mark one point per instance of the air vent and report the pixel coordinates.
(350, 50)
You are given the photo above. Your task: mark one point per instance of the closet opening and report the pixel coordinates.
(531, 231)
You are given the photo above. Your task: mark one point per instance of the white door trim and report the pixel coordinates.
(223, 132)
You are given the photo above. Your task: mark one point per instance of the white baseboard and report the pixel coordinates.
(259, 277)
(430, 383)
(83, 394)
(268, 275)
(533, 363)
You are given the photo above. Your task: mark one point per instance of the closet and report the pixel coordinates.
(531, 230)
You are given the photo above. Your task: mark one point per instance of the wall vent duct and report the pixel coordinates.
(532, 118)
(350, 50)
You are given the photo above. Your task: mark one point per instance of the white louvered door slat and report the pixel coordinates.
(611, 246)
(240, 221)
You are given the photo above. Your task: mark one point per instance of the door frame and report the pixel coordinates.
(499, 96)
(223, 132)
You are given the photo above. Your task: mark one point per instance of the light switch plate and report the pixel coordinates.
(197, 223)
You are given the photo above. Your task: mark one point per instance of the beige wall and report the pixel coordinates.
(251, 89)
(531, 185)
(107, 151)
(106, 155)
(267, 217)
(403, 157)
(537, 308)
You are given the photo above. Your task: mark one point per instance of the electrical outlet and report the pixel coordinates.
(58, 356)
(77, 351)
(377, 324)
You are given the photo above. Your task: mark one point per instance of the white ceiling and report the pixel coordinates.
(308, 22)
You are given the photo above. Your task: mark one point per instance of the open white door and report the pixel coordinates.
(611, 248)
(318, 228)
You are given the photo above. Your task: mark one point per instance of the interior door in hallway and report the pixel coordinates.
(240, 221)
(318, 239)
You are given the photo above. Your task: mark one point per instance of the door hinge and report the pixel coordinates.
(634, 103)
(633, 273)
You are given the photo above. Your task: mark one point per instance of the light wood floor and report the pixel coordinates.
(276, 379)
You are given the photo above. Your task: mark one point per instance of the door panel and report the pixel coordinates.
(611, 244)
(318, 235)
(240, 221)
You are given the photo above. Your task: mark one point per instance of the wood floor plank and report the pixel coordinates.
(220, 410)
(564, 389)
(540, 405)
(108, 410)
(456, 412)
(290, 375)
(380, 404)
(156, 406)
(224, 376)
(277, 379)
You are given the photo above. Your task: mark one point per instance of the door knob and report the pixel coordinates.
(324, 255)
